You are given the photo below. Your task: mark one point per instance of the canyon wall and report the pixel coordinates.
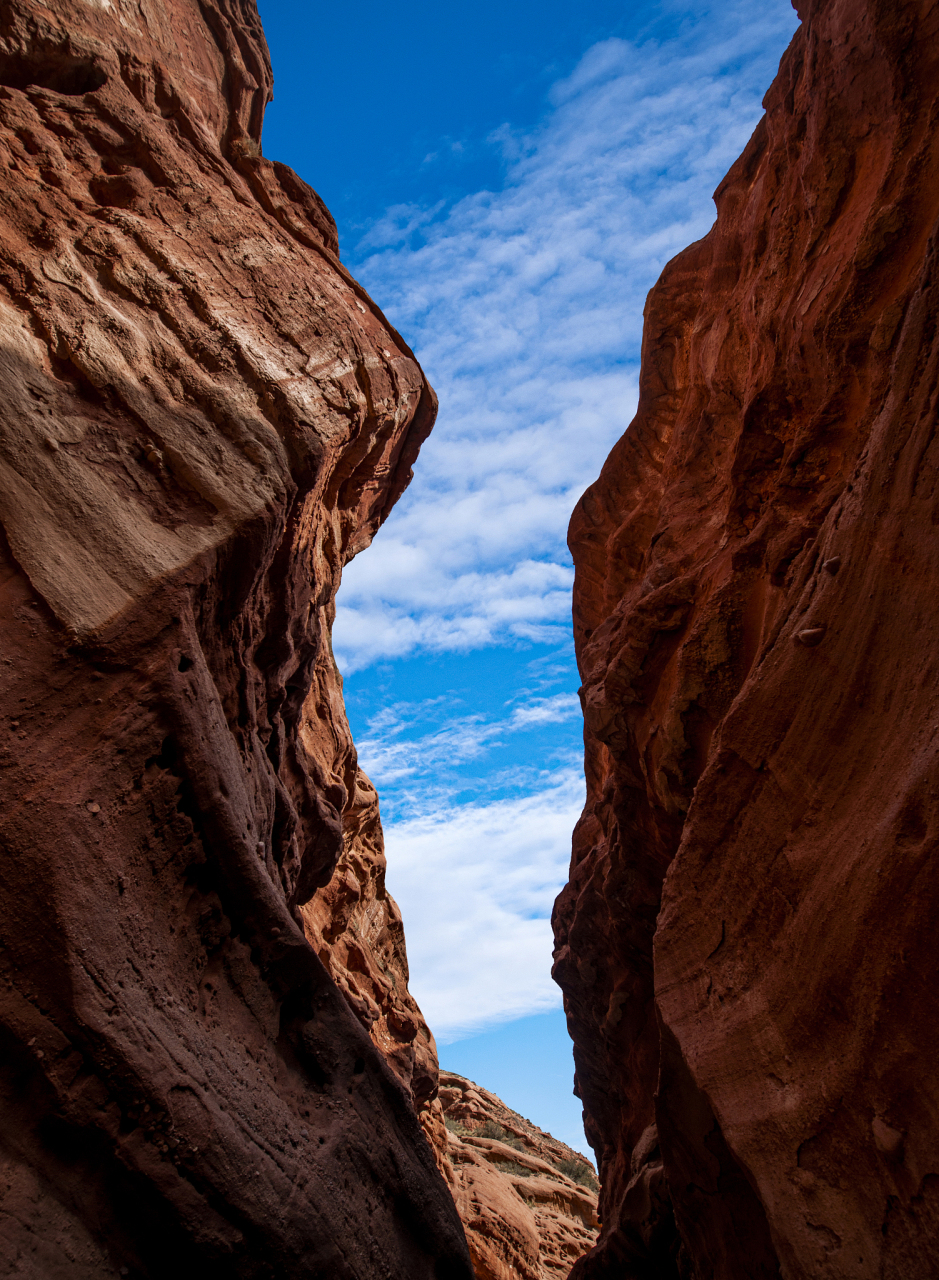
(203, 418)
(747, 943)
(527, 1201)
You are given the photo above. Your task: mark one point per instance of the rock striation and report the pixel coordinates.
(745, 944)
(528, 1202)
(356, 928)
(203, 418)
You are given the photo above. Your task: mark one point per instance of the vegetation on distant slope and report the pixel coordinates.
(578, 1171)
(492, 1129)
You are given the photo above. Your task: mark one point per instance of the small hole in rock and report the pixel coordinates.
(53, 69)
(185, 662)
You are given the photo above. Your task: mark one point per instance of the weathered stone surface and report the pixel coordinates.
(528, 1202)
(203, 418)
(745, 943)
(356, 928)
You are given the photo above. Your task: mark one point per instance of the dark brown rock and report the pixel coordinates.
(203, 418)
(745, 943)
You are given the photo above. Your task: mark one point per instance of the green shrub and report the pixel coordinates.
(490, 1129)
(456, 1126)
(243, 147)
(578, 1171)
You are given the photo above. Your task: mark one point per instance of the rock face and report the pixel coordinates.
(746, 943)
(528, 1202)
(355, 926)
(203, 418)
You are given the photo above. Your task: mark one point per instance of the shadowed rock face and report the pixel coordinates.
(356, 928)
(746, 944)
(203, 418)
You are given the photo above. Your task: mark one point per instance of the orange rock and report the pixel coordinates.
(745, 942)
(528, 1202)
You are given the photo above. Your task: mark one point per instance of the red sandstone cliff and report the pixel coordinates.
(747, 943)
(203, 418)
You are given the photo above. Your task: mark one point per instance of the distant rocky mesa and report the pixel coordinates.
(747, 943)
(528, 1202)
(203, 418)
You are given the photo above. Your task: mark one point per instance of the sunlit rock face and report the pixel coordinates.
(203, 418)
(747, 943)
(528, 1202)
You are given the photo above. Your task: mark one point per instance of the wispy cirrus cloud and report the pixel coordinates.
(525, 307)
(478, 843)
(465, 608)
(563, 706)
(422, 740)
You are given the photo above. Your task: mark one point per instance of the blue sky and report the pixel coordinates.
(508, 181)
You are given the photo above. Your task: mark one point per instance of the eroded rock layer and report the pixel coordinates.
(203, 418)
(746, 942)
(528, 1202)
(356, 928)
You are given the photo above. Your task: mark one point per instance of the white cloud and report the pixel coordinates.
(525, 307)
(476, 886)
(399, 745)
(390, 756)
(563, 706)
(398, 224)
